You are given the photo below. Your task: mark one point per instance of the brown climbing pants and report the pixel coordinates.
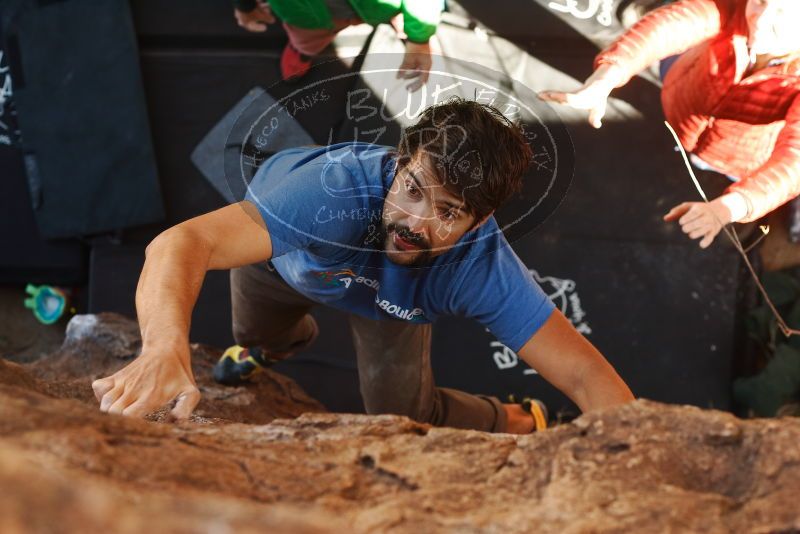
(393, 356)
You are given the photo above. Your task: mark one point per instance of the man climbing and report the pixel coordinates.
(396, 239)
(732, 95)
(312, 25)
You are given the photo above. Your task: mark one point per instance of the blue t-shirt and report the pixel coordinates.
(322, 207)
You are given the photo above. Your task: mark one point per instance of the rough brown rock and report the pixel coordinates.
(98, 345)
(640, 467)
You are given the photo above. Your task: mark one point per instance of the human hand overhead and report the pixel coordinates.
(152, 380)
(416, 65)
(257, 19)
(592, 96)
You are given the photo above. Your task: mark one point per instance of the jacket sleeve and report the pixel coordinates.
(778, 180)
(420, 18)
(664, 32)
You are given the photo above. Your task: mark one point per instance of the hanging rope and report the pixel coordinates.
(730, 231)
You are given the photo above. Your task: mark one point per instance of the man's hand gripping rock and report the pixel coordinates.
(155, 378)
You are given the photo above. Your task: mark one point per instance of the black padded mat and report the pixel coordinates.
(24, 256)
(81, 112)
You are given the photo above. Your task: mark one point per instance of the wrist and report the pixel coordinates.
(175, 345)
(608, 76)
(735, 204)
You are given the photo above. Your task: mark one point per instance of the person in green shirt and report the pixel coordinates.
(312, 24)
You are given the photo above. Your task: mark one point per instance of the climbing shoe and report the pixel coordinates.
(536, 408)
(538, 411)
(238, 364)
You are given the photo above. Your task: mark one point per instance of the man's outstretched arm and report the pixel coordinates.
(174, 269)
(567, 360)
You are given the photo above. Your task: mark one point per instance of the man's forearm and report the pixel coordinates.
(599, 387)
(171, 279)
(175, 266)
(571, 363)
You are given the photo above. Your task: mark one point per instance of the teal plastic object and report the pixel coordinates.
(48, 303)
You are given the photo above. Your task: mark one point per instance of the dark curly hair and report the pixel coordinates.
(478, 154)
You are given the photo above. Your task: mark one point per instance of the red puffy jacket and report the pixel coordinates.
(745, 124)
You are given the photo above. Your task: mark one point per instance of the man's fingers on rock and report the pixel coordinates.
(101, 386)
(140, 408)
(121, 403)
(187, 401)
(111, 397)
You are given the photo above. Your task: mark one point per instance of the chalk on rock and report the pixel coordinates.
(118, 336)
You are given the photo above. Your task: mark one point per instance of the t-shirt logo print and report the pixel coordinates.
(413, 314)
(336, 279)
(345, 277)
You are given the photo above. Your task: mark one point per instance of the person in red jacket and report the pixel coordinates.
(733, 97)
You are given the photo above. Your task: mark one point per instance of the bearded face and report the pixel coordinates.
(421, 218)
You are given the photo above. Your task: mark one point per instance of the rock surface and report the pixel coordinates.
(96, 346)
(66, 467)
